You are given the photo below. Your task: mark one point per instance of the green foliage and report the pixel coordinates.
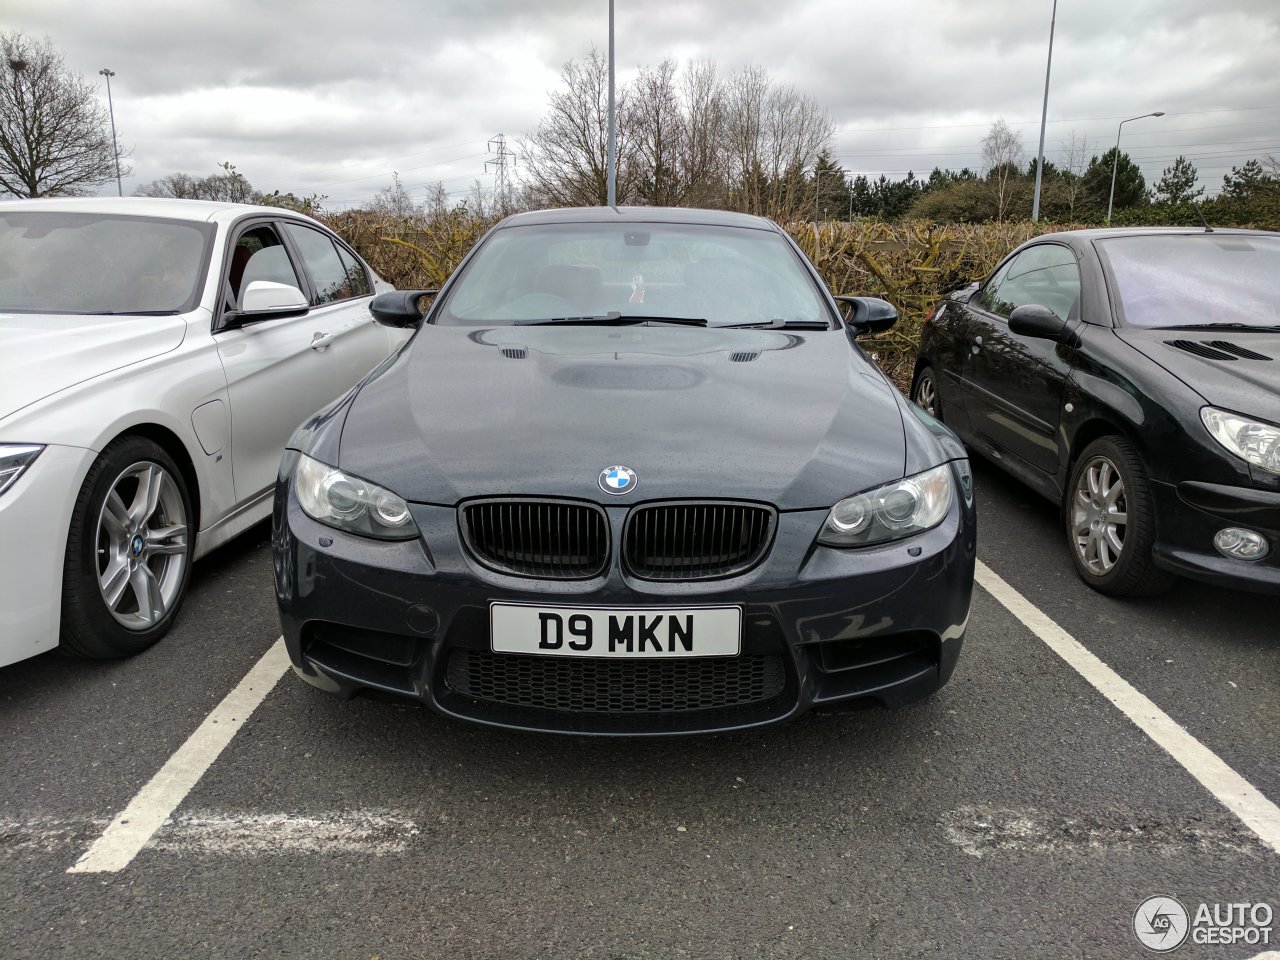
(1130, 184)
(1177, 185)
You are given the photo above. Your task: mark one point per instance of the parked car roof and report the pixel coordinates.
(639, 215)
(202, 210)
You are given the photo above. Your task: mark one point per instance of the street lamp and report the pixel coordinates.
(1115, 160)
(1044, 115)
(115, 146)
(611, 166)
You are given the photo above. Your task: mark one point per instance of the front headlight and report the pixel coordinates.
(15, 458)
(1251, 440)
(892, 512)
(340, 500)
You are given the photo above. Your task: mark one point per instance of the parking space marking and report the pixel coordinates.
(129, 832)
(1231, 790)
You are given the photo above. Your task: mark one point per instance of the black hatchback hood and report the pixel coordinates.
(1235, 370)
(794, 419)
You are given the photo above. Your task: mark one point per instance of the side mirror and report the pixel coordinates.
(1033, 320)
(868, 315)
(268, 300)
(399, 308)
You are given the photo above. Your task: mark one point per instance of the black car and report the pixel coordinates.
(631, 475)
(1134, 377)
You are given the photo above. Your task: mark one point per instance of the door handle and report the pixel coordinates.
(977, 344)
(321, 341)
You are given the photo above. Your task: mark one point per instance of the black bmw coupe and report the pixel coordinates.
(631, 475)
(1133, 376)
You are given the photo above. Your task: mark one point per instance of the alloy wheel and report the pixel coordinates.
(926, 395)
(1099, 516)
(141, 546)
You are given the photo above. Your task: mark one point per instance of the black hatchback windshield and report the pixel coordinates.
(88, 263)
(1202, 279)
(690, 272)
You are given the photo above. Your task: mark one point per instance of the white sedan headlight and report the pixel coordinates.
(15, 458)
(349, 503)
(892, 512)
(1252, 440)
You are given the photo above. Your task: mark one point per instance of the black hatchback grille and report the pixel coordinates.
(696, 540)
(581, 685)
(548, 539)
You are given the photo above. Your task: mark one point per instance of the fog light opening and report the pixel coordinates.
(1238, 543)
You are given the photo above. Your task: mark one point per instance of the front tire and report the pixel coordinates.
(128, 555)
(924, 392)
(1110, 521)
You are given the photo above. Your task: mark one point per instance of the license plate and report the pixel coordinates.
(636, 632)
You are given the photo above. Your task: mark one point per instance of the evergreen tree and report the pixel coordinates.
(1177, 184)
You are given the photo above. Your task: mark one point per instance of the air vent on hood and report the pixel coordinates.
(1200, 349)
(743, 356)
(514, 353)
(1244, 353)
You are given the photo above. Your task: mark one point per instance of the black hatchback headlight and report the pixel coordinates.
(341, 500)
(897, 510)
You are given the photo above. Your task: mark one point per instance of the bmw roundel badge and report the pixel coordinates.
(617, 480)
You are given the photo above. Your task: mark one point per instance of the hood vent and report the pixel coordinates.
(743, 356)
(1244, 353)
(1200, 349)
(1217, 350)
(514, 353)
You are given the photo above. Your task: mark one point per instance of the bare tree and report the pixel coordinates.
(703, 161)
(229, 186)
(744, 105)
(55, 135)
(566, 157)
(656, 127)
(1002, 164)
(1075, 151)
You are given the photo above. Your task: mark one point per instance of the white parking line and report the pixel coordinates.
(1232, 790)
(152, 805)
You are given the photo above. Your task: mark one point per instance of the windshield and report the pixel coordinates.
(88, 263)
(723, 275)
(1175, 280)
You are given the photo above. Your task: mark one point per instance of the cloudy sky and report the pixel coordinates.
(329, 97)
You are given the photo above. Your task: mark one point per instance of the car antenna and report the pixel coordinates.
(1200, 214)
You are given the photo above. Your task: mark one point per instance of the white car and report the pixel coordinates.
(155, 355)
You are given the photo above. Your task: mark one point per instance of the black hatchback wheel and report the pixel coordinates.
(924, 392)
(1110, 520)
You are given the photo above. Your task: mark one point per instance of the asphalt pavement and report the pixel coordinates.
(1018, 813)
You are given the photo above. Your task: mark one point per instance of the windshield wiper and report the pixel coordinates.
(779, 324)
(1245, 327)
(614, 318)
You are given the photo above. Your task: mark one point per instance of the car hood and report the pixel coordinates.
(795, 420)
(1236, 370)
(42, 354)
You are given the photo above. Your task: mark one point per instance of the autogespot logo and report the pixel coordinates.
(1161, 923)
(617, 480)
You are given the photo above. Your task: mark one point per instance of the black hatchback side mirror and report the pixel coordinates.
(869, 315)
(1033, 320)
(399, 308)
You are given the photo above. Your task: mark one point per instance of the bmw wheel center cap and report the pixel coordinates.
(617, 480)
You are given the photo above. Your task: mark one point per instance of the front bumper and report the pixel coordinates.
(1191, 512)
(35, 515)
(823, 627)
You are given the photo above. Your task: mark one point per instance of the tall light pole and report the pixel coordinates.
(1115, 160)
(1044, 115)
(611, 173)
(115, 145)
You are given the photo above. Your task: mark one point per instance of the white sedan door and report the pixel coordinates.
(341, 291)
(278, 371)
